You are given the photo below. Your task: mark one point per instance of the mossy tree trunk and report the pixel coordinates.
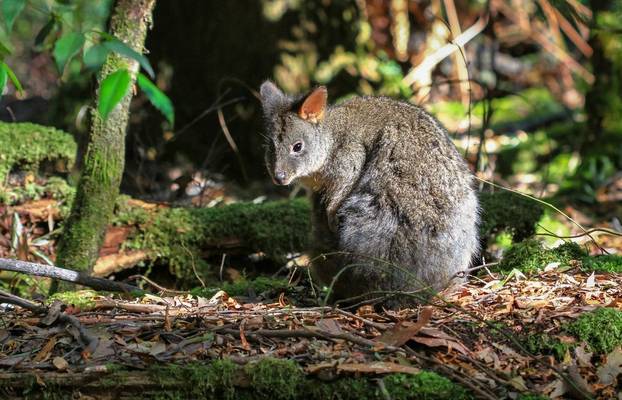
(104, 160)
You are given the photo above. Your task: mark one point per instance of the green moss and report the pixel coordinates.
(604, 263)
(273, 378)
(509, 213)
(532, 397)
(32, 145)
(219, 380)
(345, 388)
(54, 187)
(178, 235)
(270, 379)
(601, 329)
(425, 386)
(127, 214)
(529, 256)
(79, 298)
(545, 345)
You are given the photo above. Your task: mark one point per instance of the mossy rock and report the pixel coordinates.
(601, 329)
(507, 212)
(530, 256)
(31, 145)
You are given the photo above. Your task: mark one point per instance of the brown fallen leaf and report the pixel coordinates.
(583, 357)
(60, 363)
(436, 333)
(404, 331)
(157, 348)
(245, 345)
(44, 353)
(437, 342)
(608, 372)
(329, 325)
(378, 367)
(254, 322)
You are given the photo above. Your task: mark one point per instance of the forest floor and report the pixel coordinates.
(495, 336)
(546, 325)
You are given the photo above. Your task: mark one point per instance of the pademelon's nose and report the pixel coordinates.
(280, 177)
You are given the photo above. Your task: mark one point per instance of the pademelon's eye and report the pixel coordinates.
(297, 147)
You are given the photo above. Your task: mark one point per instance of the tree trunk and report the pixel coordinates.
(104, 160)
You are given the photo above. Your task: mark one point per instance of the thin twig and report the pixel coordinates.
(155, 285)
(586, 233)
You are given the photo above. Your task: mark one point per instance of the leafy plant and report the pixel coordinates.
(95, 46)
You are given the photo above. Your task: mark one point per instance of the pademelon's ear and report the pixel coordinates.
(314, 105)
(271, 96)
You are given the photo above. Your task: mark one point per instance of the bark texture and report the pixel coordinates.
(105, 155)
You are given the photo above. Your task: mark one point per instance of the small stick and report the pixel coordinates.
(65, 275)
(157, 286)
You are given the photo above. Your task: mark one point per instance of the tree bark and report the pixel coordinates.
(104, 160)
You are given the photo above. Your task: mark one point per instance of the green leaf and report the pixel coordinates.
(118, 46)
(10, 11)
(95, 56)
(66, 47)
(4, 51)
(3, 77)
(45, 31)
(157, 98)
(112, 90)
(13, 79)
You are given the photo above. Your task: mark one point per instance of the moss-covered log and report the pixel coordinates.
(26, 146)
(181, 236)
(270, 379)
(105, 155)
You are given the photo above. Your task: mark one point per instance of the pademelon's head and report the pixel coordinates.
(297, 145)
